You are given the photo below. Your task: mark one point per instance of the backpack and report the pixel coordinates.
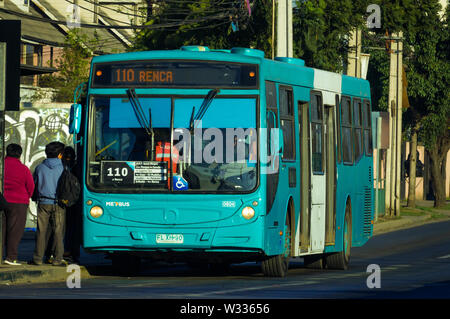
(68, 189)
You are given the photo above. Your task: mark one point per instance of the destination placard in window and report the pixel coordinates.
(130, 173)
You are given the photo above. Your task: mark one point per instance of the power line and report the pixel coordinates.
(100, 26)
(232, 2)
(172, 12)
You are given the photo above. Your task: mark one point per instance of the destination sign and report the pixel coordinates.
(132, 173)
(142, 76)
(175, 74)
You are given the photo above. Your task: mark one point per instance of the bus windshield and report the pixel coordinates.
(159, 147)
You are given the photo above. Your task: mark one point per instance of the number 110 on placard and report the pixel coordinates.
(117, 172)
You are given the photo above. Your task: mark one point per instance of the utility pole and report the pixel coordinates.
(393, 160)
(399, 95)
(354, 54)
(284, 29)
(273, 29)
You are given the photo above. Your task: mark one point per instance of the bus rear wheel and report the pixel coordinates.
(277, 266)
(340, 260)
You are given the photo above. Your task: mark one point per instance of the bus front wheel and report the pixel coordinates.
(277, 266)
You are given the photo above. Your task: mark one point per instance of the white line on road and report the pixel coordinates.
(444, 257)
(302, 283)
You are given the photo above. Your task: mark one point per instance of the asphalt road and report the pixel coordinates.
(412, 263)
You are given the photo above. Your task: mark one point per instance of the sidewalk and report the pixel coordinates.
(423, 213)
(24, 274)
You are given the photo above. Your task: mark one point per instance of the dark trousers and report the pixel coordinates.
(73, 230)
(15, 218)
(45, 213)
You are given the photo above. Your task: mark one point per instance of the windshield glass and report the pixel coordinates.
(158, 146)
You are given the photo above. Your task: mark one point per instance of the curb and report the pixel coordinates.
(397, 224)
(38, 275)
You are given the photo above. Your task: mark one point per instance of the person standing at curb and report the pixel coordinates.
(18, 187)
(72, 239)
(46, 177)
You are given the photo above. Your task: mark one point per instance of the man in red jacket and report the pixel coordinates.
(18, 189)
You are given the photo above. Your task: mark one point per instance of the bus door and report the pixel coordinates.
(305, 176)
(318, 173)
(330, 169)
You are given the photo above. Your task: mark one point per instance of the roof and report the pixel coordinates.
(39, 31)
(35, 27)
(107, 41)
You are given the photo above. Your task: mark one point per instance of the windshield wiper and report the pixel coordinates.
(146, 125)
(203, 108)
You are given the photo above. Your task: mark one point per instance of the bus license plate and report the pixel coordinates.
(169, 238)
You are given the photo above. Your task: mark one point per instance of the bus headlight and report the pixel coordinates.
(248, 212)
(96, 211)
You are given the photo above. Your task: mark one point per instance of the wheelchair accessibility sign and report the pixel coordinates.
(179, 183)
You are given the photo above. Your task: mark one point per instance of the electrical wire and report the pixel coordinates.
(233, 2)
(100, 26)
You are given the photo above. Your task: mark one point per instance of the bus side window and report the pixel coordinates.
(271, 116)
(346, 120)
(317, 133)
(338, 129)
(357, 127)
(287, 122)
(368, 146)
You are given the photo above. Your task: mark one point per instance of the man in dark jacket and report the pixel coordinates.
(46, 176)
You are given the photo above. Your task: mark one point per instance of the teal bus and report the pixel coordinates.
(214, 157)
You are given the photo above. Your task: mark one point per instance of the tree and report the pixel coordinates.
(428, 80)
(426, 60)
(322, 29)
(207, 23)
(73, 66)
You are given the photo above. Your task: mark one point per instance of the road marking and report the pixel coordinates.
(444, 257)
(219, 292)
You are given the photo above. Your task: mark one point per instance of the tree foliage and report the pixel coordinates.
(73, 66)
(322, 29)
(426, 61)
(208, 23)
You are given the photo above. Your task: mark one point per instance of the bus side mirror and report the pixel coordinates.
(75, 119)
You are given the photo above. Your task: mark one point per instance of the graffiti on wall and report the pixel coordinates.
(33, 129)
